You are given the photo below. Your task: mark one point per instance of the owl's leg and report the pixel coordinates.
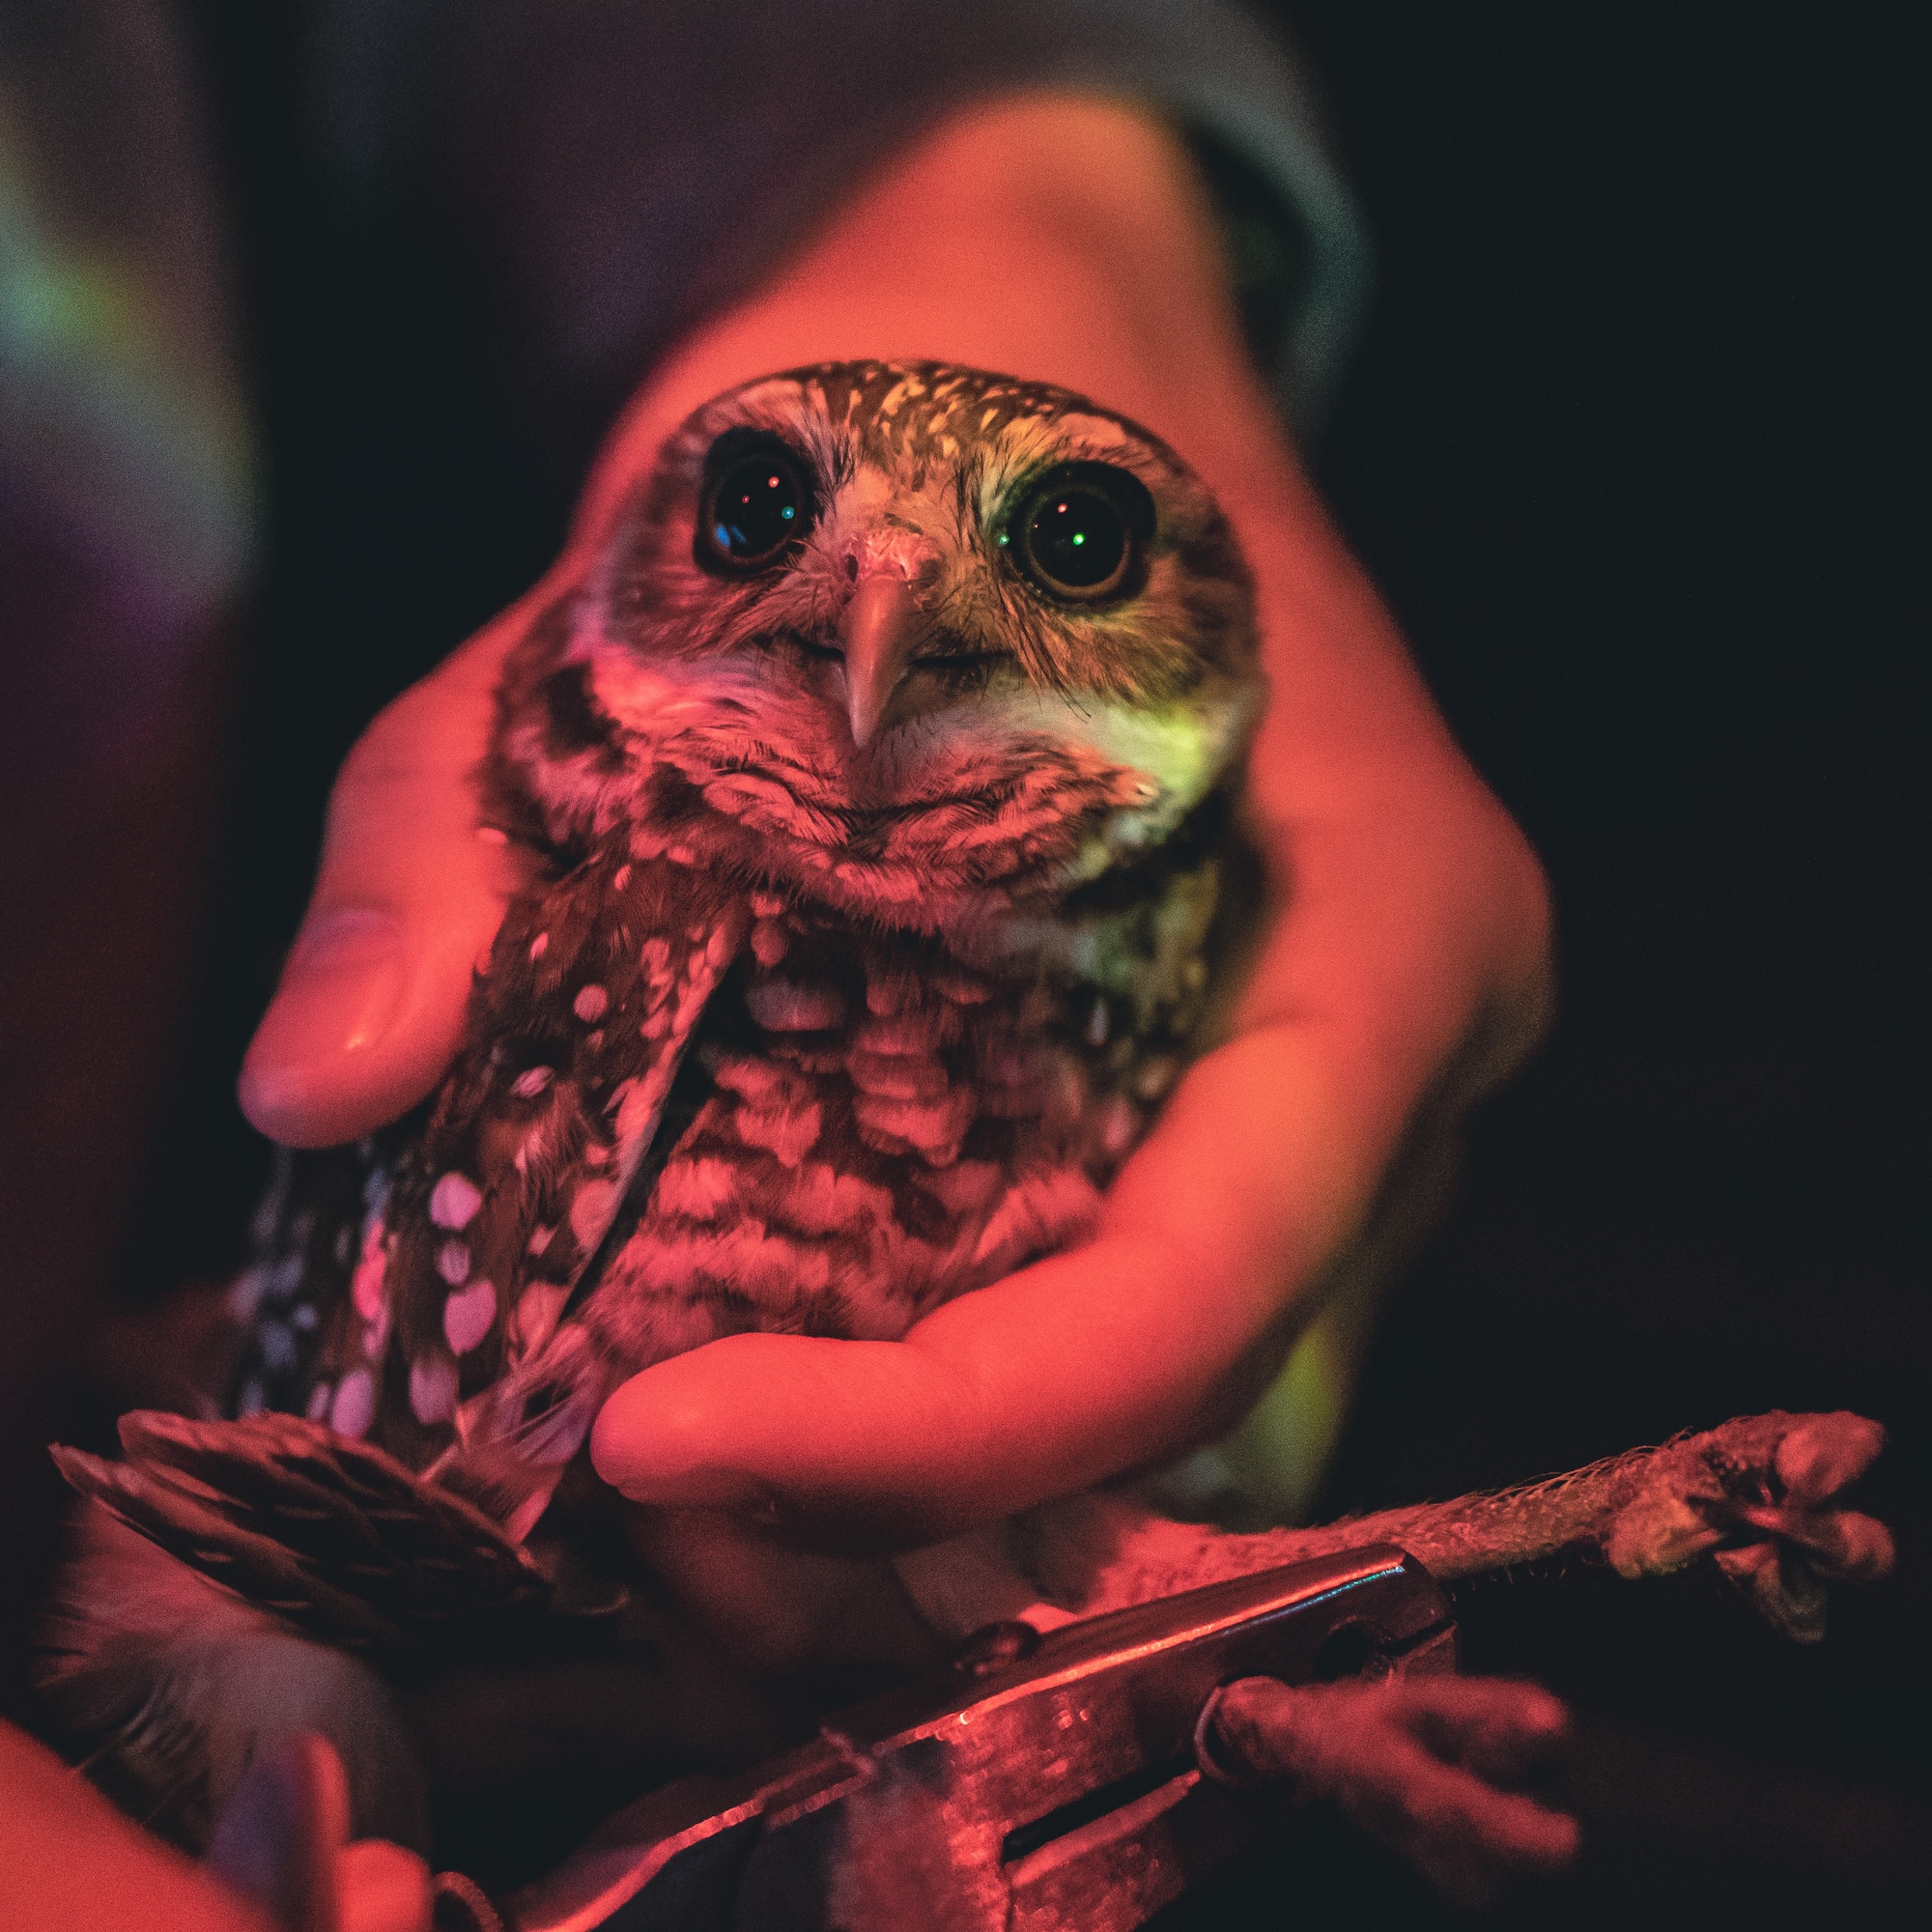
(175, 1685)
(1761, 1496)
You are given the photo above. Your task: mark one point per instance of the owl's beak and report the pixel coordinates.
(877, 633)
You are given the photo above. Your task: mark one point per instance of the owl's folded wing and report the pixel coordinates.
(334, 1536)
(576, 1031)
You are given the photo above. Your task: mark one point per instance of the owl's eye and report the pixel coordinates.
(754, 505)
(1082, 533)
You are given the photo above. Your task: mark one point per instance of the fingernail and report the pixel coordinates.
(696, 1489)
(338, 994)
(666, 1484)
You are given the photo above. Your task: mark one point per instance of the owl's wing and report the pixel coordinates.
(576, 1030)
(333, 1535)
(450, 1340)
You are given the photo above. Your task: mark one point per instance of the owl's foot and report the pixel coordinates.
(1762, 1497)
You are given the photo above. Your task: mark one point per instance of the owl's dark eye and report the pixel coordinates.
(1082, 533)
(754, 505)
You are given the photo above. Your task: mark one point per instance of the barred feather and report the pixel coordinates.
(335, 1537)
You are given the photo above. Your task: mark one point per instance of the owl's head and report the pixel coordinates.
(872, 570)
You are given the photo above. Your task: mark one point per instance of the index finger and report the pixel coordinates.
(371, 1004)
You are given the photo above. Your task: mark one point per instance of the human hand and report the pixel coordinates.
(1425, 1765)
(1403, 969)
(282, 1843)
(281, 1860)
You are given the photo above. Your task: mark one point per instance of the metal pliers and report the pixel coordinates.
(1057, 1783)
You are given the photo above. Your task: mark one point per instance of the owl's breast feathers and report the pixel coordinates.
(941, 836)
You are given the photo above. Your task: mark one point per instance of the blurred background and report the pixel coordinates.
(1632, 445)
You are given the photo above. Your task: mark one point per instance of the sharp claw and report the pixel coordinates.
(1841, 1545)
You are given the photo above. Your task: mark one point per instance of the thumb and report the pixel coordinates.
(410, 889)
(282, 1842)
(281, 1833)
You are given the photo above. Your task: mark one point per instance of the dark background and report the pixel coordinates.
(1631, 445)
(1635, 448)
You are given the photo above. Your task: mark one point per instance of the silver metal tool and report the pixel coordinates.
(1040, 1784)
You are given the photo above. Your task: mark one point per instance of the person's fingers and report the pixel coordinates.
(1465, 1836)
(410, 890)
(1498, 1727)
(1469, 1840)
(1356, 1744)
(281, 1833)
(281, 1840)
(1026, 1390)
(837, 1442)
(383, 1889)
(1110, 1356)
(1086, 1363)
(75, 1863)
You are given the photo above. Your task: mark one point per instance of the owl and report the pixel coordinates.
(879, 777)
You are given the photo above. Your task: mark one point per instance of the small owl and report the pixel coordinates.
(880, 777)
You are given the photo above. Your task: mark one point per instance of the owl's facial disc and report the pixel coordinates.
(894, 571)
(858, 570)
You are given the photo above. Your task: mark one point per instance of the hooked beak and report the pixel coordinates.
(877, 633)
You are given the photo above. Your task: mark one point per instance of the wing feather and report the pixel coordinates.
(592, 992)
(335, 1536)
